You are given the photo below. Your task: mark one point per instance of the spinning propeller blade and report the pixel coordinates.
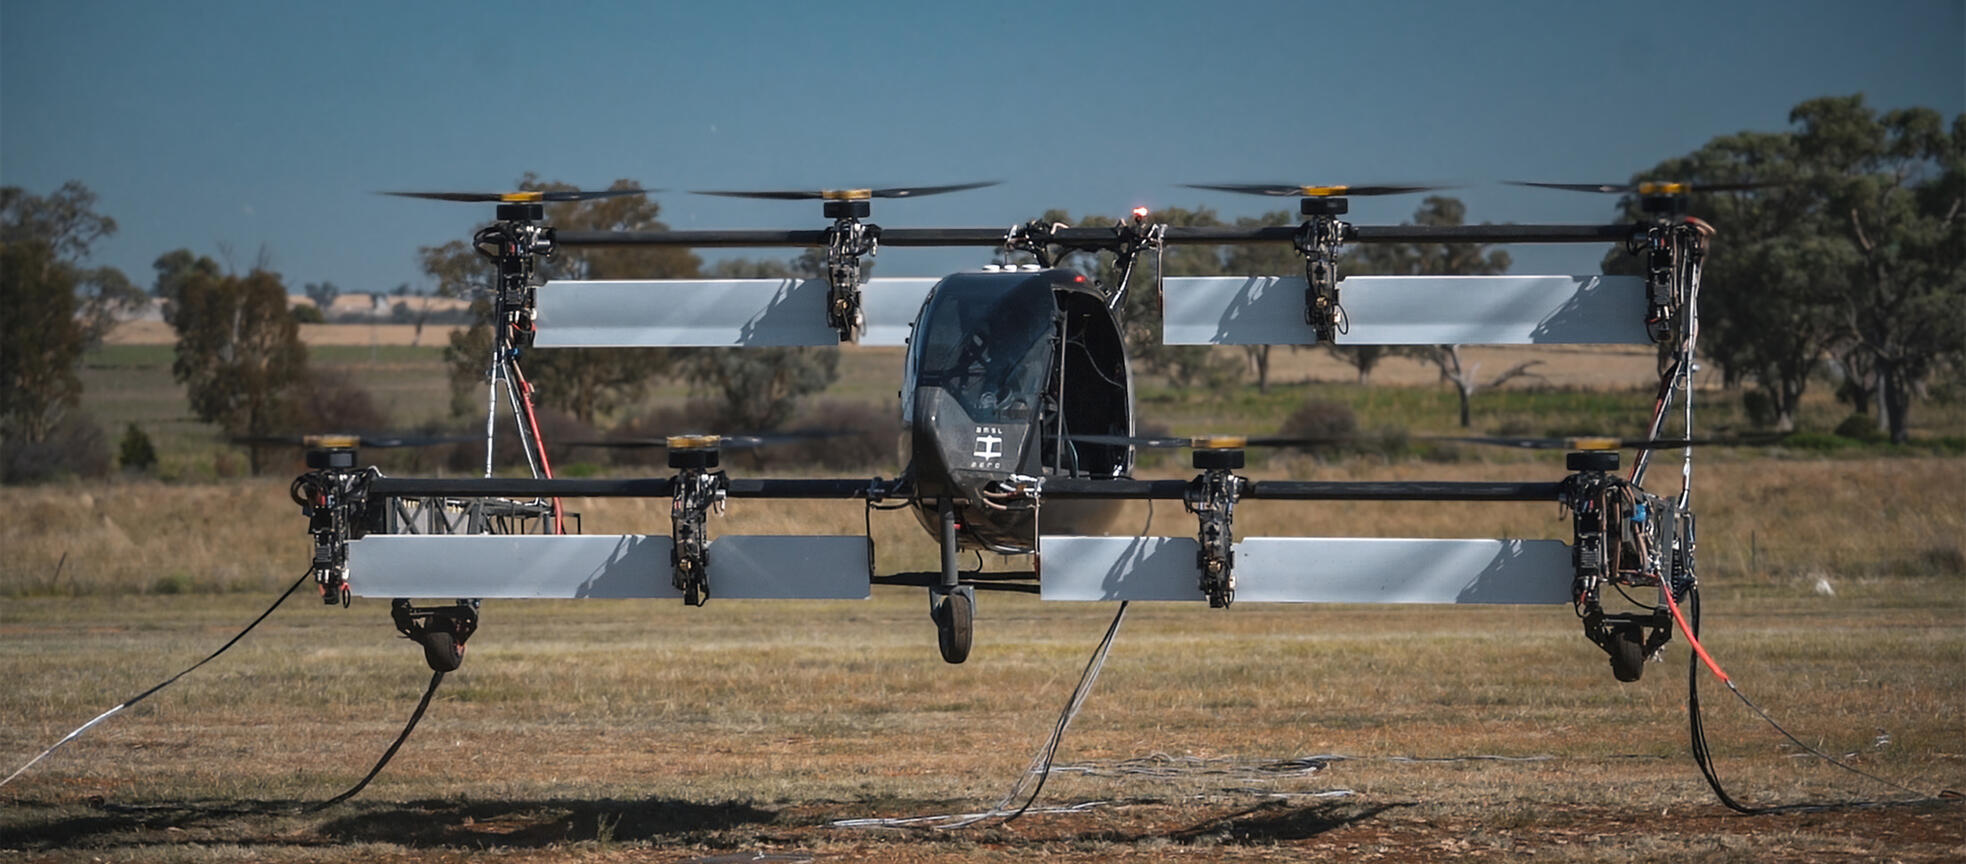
(350, 440)
(1232, 442)
(1289, 190)
(707, 442)
(1606, 443)
(1650, 187)
(843, 194)
(531, 197)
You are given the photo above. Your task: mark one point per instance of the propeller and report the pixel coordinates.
(1607, 443)
(1236, 442)
(352, 440)
(843, 194)
(1286, 190)
(1650, 187)
(711, 442)
(524, 197)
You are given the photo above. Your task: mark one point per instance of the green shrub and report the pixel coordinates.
(76, 447)
(136, 453)
(172, 583)
(1323, 419)
(1760, 408)
(1860, 427)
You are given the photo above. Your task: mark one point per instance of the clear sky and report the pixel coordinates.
(270, 124)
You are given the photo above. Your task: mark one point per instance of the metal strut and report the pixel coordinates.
(1035, 237)
(1135, 236)
(1048, 242)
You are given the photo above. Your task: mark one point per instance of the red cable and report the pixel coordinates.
(532, 422)
(1694, 640)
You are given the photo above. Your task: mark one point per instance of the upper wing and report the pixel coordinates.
(677, 313)
(1410, 310)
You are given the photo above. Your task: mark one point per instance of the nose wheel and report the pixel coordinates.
(954, 612)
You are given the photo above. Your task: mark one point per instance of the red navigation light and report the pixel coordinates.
(1140, 214)
(1078, 278)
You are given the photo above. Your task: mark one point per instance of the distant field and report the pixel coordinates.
(159, 333)
(1562, 366)
(1587, 391)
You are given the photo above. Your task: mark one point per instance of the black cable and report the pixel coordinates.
(1086, 678)
(1633, 600)
(166, 683)
(435, 679)
(1041, 767)
(1703, 753)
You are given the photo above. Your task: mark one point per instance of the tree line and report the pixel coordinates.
(1849, 261)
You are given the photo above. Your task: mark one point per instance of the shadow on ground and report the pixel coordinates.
(419, 824)
(535, 824)
(1280, 822)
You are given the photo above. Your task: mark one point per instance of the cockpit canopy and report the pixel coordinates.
(987, 344)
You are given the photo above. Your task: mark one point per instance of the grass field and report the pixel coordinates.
(1834, 580)
(614, 730)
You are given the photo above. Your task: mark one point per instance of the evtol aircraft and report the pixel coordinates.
(1018, 405)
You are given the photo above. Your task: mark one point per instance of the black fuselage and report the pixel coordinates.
(1004, 366)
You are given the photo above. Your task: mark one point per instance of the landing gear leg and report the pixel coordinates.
(951, 605)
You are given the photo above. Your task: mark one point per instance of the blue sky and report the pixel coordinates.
(270, 125)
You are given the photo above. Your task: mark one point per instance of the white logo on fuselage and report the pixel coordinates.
(989, 447)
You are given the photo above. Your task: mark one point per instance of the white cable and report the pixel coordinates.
(491, 407)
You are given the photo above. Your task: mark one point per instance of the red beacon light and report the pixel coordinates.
(1140, 214)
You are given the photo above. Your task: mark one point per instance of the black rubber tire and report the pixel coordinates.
(955, 627)
(1627, 653)
(441, 651)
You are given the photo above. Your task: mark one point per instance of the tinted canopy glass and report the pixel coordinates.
(987, 340)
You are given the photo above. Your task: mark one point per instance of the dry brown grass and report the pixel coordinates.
(160, 333)
(620, 730)
(1764, 521)
(1582, 366)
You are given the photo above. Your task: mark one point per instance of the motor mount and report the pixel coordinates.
(1624, 536)
(1212, 496)
(333, 495)
(697, 490)
(1318, 239)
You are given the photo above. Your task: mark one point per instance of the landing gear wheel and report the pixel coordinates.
(441, 651)
(954, 627)
(1627, 650)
